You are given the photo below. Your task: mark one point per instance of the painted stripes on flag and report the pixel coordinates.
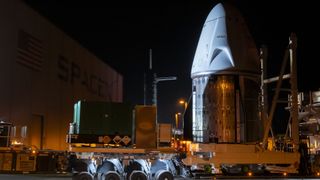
(30, 51)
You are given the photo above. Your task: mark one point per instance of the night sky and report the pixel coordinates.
(121, 34)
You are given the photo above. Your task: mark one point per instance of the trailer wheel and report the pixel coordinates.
(111, 175)
(164, 175)
(83, 176)
(138, 175)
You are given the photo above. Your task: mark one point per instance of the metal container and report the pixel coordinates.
(46, 162)
(25, 162)
(164, 134)
(145, 126)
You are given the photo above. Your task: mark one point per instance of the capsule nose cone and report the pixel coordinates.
(225, 44)
(213, 52)
(217, 12)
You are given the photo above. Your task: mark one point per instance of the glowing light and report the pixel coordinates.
(184, 103)
(15, 142)
(177, 119)
(285, 174)
(249, 173)
(93, 145)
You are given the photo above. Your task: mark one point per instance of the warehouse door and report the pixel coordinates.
(36, 131)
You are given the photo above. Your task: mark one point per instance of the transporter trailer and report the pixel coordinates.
(111, 141)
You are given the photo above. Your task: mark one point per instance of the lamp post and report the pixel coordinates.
(155, 93)
(184, 104)
(177, 132)
(177, 115)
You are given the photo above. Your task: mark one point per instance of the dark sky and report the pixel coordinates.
(121, 33)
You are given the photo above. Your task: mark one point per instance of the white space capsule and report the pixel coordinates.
(225, 81)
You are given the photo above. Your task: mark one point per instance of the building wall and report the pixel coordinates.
(43, 72)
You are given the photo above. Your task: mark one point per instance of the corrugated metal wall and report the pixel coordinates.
(43, 72)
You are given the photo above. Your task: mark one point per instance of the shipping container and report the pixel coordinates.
(99, 118)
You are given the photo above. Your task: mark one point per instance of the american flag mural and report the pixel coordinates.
(29, 51)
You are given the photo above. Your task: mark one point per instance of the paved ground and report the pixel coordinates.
(34, 177)
(69, 177)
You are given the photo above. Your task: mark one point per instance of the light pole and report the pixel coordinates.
(176, 131)
(184, 103)
(155, 93)
(155, 82)
(177, 118)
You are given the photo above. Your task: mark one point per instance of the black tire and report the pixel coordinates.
(83, 176)
(138, 175)
(111, 175)
(164, 175)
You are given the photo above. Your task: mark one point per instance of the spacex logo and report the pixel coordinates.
(72, 73)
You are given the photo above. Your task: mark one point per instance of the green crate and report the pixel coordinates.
(100, 118)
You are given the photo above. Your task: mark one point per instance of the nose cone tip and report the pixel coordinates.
(225, 45)
(217, 11)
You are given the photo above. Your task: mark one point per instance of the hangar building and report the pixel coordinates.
(43, 72)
